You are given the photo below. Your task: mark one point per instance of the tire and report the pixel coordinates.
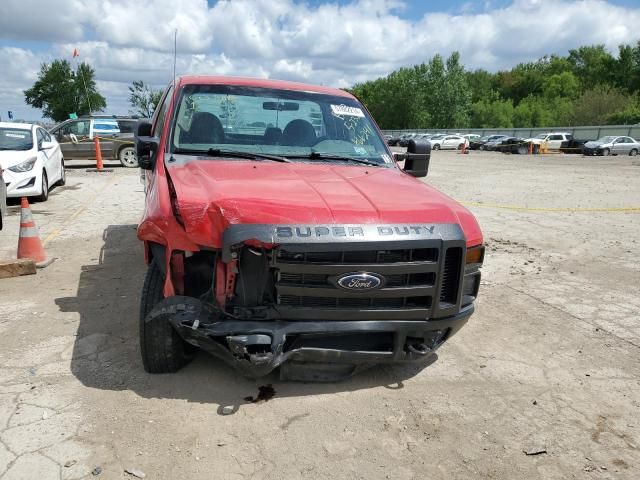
(522, 150)
(481, 147)
(605, 152)
(63, 175)
(460, 146)
(633, 152)
(127, 157)
(162, 349)
(436, 147)
(45, 188)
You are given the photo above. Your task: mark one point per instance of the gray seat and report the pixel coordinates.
(272, 136)
(299, 133)
(205, 128)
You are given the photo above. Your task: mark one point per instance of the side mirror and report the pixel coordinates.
(416, 160)
(146, 145)
(45, 146)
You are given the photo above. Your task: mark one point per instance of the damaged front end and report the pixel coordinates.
(322, 302)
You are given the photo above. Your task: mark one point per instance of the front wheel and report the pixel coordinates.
(436, 147)
(44, 193)
(128, 158)
(605, 152)
(63, 174)
(163, 351)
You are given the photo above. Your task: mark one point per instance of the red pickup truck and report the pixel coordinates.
(281, 232)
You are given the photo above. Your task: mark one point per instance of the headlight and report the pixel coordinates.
(25, 166)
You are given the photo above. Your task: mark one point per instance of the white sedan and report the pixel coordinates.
(31, 159)
(448, 142)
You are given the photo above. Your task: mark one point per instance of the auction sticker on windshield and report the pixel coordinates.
(347, 110)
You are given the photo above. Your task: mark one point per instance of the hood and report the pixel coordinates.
(593, 144)
(9, 158)
(213, 194)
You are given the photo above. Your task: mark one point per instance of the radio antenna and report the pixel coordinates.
(175, 53)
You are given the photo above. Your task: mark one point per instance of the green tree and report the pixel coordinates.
(492, 113)
(592, 64)
(444, 93)
(482, 84)
(630, 115)
(595, 106)
(59, 91)
(143, 98)
(564, 84)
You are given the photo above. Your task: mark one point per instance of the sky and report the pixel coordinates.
(335, 42)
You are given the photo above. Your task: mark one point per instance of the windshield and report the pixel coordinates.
(15, 139)
(276, 122)
(608, 139)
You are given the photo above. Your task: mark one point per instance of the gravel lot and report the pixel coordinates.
(550, 361)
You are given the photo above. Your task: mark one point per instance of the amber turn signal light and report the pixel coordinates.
(475, 255)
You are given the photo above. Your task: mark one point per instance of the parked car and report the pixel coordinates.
(493, 142)
(387, 138)
(448, 142)
(423, 137)
(31, 159)
(478, 142)
(471, 137)
(404, 139)
(76, 137)
(573, 146)
(393, 140)
(553, 141)
(3, 199)
(284, 250)
(515, 145)
(612, 145)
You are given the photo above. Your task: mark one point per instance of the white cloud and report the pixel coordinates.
(331, 44)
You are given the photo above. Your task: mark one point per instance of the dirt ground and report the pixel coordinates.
(549, 362)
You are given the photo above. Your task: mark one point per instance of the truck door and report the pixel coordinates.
(107, 131)
(555, 141)
(75, 139)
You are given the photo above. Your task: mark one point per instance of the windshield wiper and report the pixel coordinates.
(329, 156)
(216, 152)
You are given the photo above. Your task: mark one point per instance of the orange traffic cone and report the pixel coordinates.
(98, 153)
(99, 164)
(29, 245)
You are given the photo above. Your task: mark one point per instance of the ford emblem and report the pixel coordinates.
(360, 281)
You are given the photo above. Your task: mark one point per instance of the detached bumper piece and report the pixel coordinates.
(309, 350)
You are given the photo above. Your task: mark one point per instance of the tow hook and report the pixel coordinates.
(418, 347)
(256, 348)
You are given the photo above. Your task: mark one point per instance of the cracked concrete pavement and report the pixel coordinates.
(549, 361)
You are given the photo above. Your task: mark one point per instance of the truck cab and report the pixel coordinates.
(552, 141)
(281, 232)
(77, 138)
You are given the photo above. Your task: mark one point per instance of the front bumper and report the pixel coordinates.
(307, 350)
(587, 151)
(24, 184)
